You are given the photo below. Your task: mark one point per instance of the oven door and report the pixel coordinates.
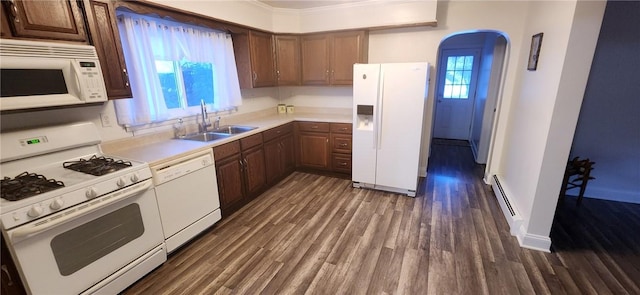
(77, 248)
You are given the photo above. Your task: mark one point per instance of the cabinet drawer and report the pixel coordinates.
(341, 143)
(344, 128)
(341, 163)
(226, 150)
(277, 131)
(251, 141)
(313, 126)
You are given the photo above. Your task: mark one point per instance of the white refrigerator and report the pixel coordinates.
(388, 110)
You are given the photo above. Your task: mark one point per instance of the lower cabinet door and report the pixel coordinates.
(254, 171)
(314, 150)
(229, 173)
(272, 162)
(341, 163)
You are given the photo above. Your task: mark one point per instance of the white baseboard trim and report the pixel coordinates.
(515, 220)
(595, 192)
(422, 171)
(532, 241)
(510, 212)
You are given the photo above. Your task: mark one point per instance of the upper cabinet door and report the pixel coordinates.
(51, 19)
(261, 46)
(5, 30)
(287, 60)
(327, 59)
(106, 39)
(315, 59)
(348, 48)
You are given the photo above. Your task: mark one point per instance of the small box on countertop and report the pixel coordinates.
(282, 108)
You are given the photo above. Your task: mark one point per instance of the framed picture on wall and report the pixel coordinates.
(534, 52)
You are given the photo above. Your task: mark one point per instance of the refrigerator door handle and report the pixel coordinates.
(380, 104)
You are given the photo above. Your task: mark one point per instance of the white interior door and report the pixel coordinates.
(457, 77)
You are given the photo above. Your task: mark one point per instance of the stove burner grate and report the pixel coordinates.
(97, 166)
(26, 185)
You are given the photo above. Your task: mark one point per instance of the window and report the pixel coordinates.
(458, 77)
(185, 83)
(172, 68)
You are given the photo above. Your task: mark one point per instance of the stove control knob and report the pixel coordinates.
(35, 211)
(56, 204)
(134, 177)
(121, 182)
(91, 193)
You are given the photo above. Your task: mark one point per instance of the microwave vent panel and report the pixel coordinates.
(46, 49)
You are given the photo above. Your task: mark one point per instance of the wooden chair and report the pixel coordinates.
(577, 174)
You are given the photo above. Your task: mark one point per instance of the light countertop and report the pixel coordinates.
(156, 152)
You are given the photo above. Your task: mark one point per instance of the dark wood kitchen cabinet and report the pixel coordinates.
(49, 20)
(11, 283)
(253, 168)
(240, 172)
(5, 30)
(328, 59)
(229, 176)
(279, 152)
(341, 143)
(313, 150)
(101, 18)
(254, 59)
(287, 57)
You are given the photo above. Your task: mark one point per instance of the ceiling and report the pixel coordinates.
(304, 4)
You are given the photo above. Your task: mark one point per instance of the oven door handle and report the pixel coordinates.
(26, 231)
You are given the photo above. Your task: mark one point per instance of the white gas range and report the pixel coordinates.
(74, 219)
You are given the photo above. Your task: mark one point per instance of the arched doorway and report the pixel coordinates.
(468, 86)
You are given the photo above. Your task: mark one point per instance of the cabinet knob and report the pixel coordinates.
(343, 144)
(255, 76)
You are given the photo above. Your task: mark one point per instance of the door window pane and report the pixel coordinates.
(458, 77)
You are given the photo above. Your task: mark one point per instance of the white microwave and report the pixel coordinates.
(44, 74)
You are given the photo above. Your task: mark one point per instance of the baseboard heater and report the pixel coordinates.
(508, 210)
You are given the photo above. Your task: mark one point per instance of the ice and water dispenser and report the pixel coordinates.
(365, 117)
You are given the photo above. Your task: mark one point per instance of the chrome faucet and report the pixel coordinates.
(202, 127)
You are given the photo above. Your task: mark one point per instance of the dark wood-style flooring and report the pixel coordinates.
(318, 235)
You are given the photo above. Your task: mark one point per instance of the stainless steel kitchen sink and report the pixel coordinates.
(233, 129)
(206, 136)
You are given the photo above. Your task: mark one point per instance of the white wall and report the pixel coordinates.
(487, 43)
(249, 13)
(544, 111)
(253, 100)
(608, 130)
(360, 14)
(365, 14)
(318, 97)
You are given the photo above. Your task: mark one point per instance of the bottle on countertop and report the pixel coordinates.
(180, 130)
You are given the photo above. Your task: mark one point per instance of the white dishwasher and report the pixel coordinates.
(187, 193)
